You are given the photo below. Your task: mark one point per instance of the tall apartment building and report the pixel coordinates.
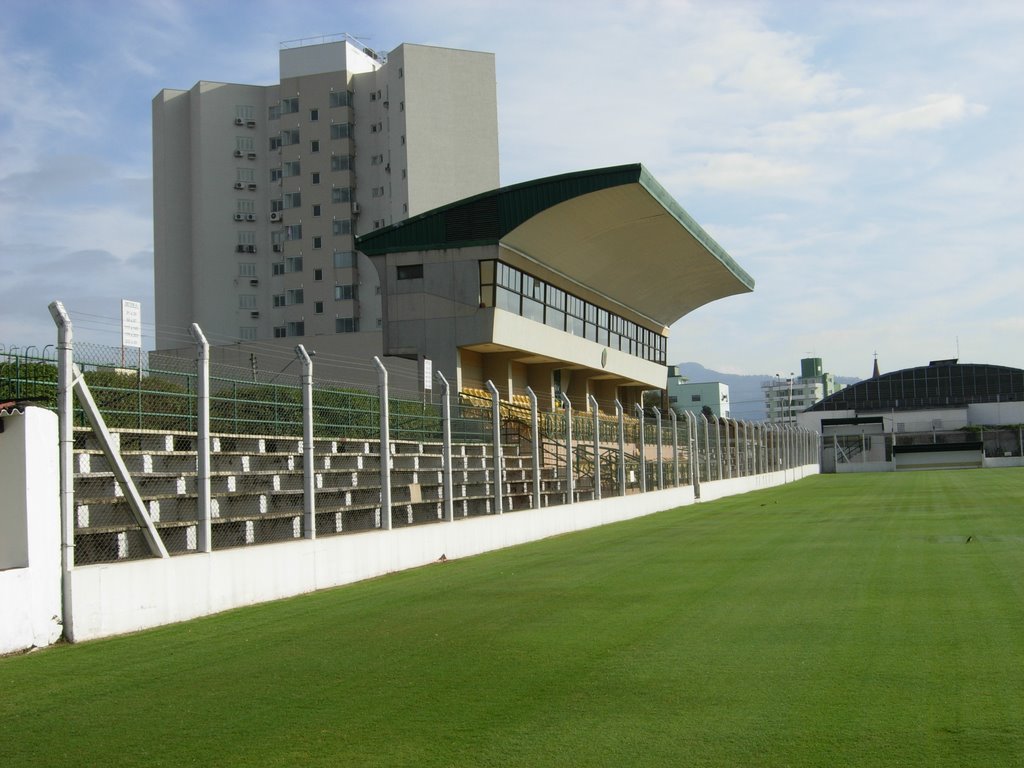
(259, 191)
(784, 398)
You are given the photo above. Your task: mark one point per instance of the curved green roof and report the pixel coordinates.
(615, 230)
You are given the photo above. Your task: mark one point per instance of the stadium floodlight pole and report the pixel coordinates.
(496, 475)
(570, 482)
(675, 446)
(661, 463)
(385, 446)
(622, 447)
(535, 448)
(597, 445)
(446, 447)
(643, 449)
(204, 531)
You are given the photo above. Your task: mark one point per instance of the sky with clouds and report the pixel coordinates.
(861, 160)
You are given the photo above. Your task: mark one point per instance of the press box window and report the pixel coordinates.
(409, 272)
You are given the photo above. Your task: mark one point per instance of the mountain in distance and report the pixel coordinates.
(746, 401)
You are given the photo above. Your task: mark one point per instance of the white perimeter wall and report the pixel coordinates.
(30, 586)
(124, 597)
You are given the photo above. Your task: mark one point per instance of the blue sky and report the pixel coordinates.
(862, 160)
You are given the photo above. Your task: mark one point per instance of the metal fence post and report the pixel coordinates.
(718, 445)
(446, 448)
(727, 450)
(569, 479)
(385, 446)
(308, 458)
(66, 444)
(691, 449)
(622, 447)
(675, 447)
(597, 446)
(535, 449)
(643, 449)
(204, 533)
(707, 446)
(661, 464)
(498, 475)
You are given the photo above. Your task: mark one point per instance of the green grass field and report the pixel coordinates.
(871, 620)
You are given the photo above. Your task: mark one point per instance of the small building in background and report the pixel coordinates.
(684, 396)
(786, 396)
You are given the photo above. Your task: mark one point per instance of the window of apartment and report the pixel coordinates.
(314, 145)
(375, 128)
(314, 115)
(276, 205)
(377, 192)
(318, 241)
(377, 160)
(341, 227)
(344, 259)
(289, 106)
(379, 322)
(278, 299)
(246, 269)
(695, 398)
(291, 168)
(318, 274)
(401, 106)
(409, 272)
(277, 268)
(405, 173)
(341, 194)
(247, 237)
(345, 292)
(247, 333)
(318, 307)
(316, 209)
(275, 175)
(346, 324)
(405, 207)
(294, 296)
(297, 329)
(275, 143)
(274, 112)
(293, 232)
(341, 162)
(245, 112)
(378, 223)
(245, 206)
(293, 264)
(340, 98)
(246, 301)
(289, 137)
(245, 143)
(341, 130)
(373, 96)
(401, 72)
(402, 140)
(245, 174)
(314, 177)
(292, 199)
(280, 331)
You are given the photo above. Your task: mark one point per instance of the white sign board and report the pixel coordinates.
(428, 374)
(131, 324)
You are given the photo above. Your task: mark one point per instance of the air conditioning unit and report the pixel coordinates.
(250, 249)
(254, 315)
(275, 215)
(251, 123)
(240, 248)
(238, 121)
(239, 185)
(252, 185)
(254, 282)
(252, 155)
(250, 217)
(355, 208)
(239, 217)
(238, 153)
(277, 248)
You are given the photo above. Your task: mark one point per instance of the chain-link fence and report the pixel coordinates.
(151, 475)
